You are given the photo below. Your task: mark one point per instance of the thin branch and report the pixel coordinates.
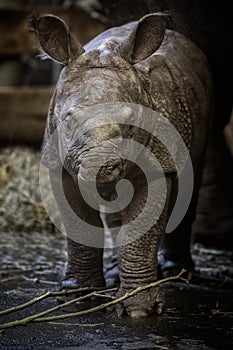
(94, 294)
(105, 305)
(38, 317)
(24, 305)
(47, 294)
(48, 311)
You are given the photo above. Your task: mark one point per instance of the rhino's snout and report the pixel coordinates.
(109, 173)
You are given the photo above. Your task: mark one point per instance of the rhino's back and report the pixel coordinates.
(181, 87)
(178, 63)
(110, 37)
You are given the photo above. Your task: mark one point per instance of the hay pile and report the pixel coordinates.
(21, 208)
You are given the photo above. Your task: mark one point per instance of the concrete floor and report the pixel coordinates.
(198, 316)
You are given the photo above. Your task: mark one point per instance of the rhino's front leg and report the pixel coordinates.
(84, 267)
(138, 260)
(85, 262)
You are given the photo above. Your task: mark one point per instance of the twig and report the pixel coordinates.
(110, 303)
(94, 294)
(51, 294)
(38, 317)
(48, 311)
(28, 303)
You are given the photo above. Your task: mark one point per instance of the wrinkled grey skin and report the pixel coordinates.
(209, 25)
(142, 63)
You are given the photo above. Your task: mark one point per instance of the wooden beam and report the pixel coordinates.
(23, 113)
(15, 38)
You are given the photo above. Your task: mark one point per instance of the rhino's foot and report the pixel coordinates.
(72, 280)
(172, 266)
(142, 304)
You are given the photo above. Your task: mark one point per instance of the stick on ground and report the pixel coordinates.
(39, 317)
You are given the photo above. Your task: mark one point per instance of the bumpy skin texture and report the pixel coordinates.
(143, 63)
(214, 223)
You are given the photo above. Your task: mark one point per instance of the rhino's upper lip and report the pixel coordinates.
(106, 190)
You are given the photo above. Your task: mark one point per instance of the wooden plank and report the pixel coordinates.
(23, 113)
(15, 38)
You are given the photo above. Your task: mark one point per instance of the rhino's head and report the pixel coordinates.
(103, 73)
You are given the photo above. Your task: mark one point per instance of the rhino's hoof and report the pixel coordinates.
(140, 313)
(142, 304)
(71, 281)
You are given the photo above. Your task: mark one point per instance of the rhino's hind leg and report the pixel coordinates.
(174, 253)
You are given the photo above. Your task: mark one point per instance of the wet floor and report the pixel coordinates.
(198, 316)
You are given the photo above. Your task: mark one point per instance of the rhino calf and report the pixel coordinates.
(140, 63)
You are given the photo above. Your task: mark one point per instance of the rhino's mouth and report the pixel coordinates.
(96, 167)
(105, 177)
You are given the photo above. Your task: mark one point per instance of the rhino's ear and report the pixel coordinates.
(54, 38)
(145, 39)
